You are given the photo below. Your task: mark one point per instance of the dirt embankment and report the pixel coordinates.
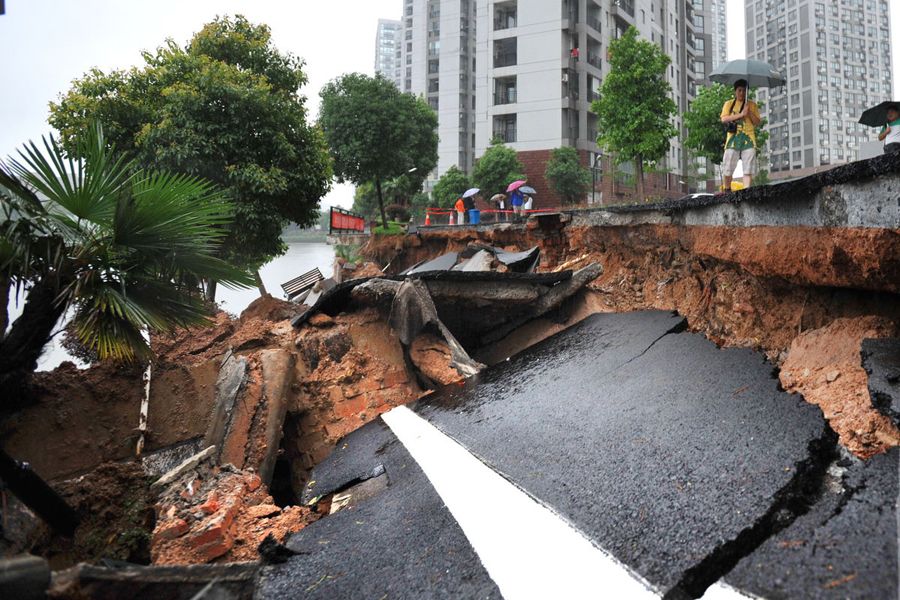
(768, 288)
(339, 374)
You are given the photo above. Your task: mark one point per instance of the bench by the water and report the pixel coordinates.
(298, 285)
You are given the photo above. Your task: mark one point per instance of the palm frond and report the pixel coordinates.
(85, 186)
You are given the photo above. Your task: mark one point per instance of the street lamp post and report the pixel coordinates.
(597, 158)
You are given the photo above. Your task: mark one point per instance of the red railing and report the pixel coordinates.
(344, 221)
(444, 214)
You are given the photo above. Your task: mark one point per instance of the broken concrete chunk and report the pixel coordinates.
(277, 373)
(184, 467)
(231, 380)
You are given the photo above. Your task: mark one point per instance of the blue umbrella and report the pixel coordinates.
(471, 192)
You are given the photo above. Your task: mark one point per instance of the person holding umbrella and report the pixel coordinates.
(740, 115)
(887, 116)
(516, 199)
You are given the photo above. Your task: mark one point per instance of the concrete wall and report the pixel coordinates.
(821, 200)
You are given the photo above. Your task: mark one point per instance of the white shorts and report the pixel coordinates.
(747, 158)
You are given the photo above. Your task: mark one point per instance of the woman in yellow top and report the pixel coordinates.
(740, 116)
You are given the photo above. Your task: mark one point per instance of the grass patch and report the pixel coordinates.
(393, 228)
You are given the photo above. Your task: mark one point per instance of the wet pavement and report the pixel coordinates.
(402, 544)
(678, 458)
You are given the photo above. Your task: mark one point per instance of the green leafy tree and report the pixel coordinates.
(124, 248)
(567, 176)
(496, 169)
(706, 136)
(365, 200)
(376, 133)
(452, 184)
(635, 108)
(226, 107)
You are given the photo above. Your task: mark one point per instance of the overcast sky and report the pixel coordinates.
(45, 44)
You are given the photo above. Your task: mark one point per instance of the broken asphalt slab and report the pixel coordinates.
(881, 360)
(844, 547)
(355, 459)
(401, 544)
(660, 447)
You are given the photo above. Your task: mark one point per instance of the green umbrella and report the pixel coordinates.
(756, 72)
(877, 115)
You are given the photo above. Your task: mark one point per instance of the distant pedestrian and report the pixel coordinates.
(516, 200)
(501, 207)
(469, 203)
(460, 211)
(890, 133)
(740, 117)
(529, 202)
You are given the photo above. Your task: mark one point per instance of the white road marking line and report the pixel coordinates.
(529, 551)
(723, 591)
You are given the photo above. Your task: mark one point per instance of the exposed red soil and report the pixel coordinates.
(431, 355)
(350, 370)
(824, 365)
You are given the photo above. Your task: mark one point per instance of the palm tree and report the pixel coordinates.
(124, 249)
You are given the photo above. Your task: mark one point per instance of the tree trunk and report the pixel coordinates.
(5, 285)
(384, 222)
(211, 290)
(259, 283)
(639, 177)
(22, 347)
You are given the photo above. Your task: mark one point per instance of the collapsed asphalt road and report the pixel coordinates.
(678, 459)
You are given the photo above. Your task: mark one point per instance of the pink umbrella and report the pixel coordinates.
(516, 185)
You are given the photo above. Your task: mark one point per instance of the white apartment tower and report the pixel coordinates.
(718, 32)
(506, 68)
(387, 49)
(437, 52)
(836, 57)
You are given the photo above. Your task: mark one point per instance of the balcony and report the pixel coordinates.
(505, 16)
(624, 5)
(595, 60)
(507, 135)
(505, 52)
(505, 97)
(505, 59)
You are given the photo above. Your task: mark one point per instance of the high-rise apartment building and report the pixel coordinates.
(387, 49)
(438, 63)
(718, 32)
(526, 71)
(836, 57)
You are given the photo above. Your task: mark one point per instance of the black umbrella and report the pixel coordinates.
(877, 115)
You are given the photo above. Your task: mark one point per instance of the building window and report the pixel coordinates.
(505, 128)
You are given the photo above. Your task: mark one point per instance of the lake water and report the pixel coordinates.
(300, 258)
